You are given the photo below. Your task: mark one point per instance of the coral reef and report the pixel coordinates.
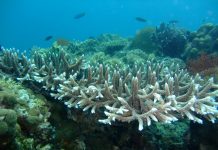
(145, 93)
(169, 136)
(171, 40)
(143, 40)
(23, 114)
(120, 85)
(135, 56)
(204, 40)
(206, 65)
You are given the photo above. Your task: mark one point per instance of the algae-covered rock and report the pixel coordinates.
(33, 120)
(143, 40)
(114, 46)
(168, 136)
(8, 99)
(98, 57)
(19, 103)
(135, 56)
(3, 128)
(10, 116)
(204, 40)
(8, 120)
(170, 39)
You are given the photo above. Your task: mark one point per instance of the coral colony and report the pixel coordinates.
(154, 91)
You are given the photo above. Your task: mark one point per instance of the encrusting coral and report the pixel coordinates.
(206, 65)
(22, 113)
(204, 40)
(148, 92)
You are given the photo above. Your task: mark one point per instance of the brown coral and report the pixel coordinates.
(206, 65)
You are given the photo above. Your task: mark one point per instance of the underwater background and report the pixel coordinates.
(108, 74)
(26, 23)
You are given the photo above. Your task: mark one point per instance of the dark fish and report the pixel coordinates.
(1, 48)
(203, 20)
(80, 15)
(91, 37)
(48, 38)
(140, 19)
(173, 21)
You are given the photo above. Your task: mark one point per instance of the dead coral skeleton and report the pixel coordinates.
(149, 92)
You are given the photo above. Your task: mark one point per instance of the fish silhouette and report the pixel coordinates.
(80, 15)
(140, 19)
(48, 38)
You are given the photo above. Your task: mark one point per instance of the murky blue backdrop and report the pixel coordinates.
(25, 23)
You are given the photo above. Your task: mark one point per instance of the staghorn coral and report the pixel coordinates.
(155, 91)
(11, 63)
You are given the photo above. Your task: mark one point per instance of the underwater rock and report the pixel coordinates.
(18, 102)
(206, 65)
(169, 136)
(170, 39)
(135, 56)
(8, 120)
(3, 128)
(143, 40)
(204, 40)
(114, 46)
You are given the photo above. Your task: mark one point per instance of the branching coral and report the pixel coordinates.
(154, 91)
(11, 63)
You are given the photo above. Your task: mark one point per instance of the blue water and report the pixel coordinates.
(25, 23)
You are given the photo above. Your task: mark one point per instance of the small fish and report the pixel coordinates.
(173, 21)
(80, 15)
(48, 38)
(1, 48)
(140, 19)
(91, 37)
